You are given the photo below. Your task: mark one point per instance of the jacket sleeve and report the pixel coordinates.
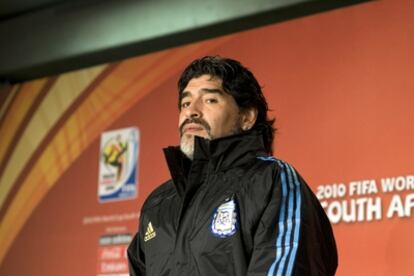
(136, 258)
(294, 235)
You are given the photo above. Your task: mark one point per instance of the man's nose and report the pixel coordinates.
(195, 114)
(194, 110)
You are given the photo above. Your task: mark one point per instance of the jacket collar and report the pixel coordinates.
(216, 155)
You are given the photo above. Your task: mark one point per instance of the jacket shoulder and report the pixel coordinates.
(269, 163)
(275, 163)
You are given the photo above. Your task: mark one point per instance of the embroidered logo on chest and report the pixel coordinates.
(224, 222)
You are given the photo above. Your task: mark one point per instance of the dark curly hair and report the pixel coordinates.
(238, 82)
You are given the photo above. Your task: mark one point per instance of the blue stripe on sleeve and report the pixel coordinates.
(281, 225)
(288, 222)
(297, 223)
(287, 240)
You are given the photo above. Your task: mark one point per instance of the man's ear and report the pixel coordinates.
(248, 118)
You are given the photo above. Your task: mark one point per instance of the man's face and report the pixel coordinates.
(206, 111)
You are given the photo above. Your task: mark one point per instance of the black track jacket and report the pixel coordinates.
(233, 211)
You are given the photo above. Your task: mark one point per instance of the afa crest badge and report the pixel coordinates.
(225, 221)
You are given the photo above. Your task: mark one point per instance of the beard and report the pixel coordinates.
(187, 146)
(187, 140)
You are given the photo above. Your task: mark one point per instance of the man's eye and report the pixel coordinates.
(211, 101)
(185, 104)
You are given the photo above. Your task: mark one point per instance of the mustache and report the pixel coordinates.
(198, 121)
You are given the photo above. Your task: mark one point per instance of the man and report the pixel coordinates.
(230, 208)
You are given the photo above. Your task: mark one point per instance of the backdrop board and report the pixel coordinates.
(81, 151)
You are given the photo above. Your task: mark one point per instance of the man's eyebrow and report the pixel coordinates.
(212, 90)
(204, 91)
